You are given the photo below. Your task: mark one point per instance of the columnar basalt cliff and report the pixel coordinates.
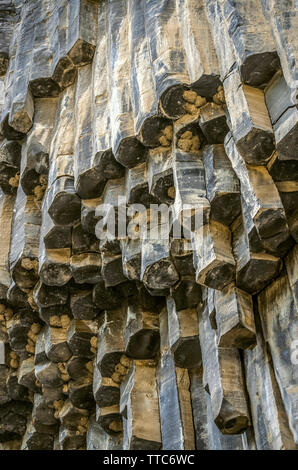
(115, 342)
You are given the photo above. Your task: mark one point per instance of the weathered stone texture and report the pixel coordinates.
(121, 340)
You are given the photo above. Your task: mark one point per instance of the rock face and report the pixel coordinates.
(121, 327)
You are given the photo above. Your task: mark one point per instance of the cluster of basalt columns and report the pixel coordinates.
(148, 344)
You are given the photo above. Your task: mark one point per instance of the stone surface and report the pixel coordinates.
(148, 225)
